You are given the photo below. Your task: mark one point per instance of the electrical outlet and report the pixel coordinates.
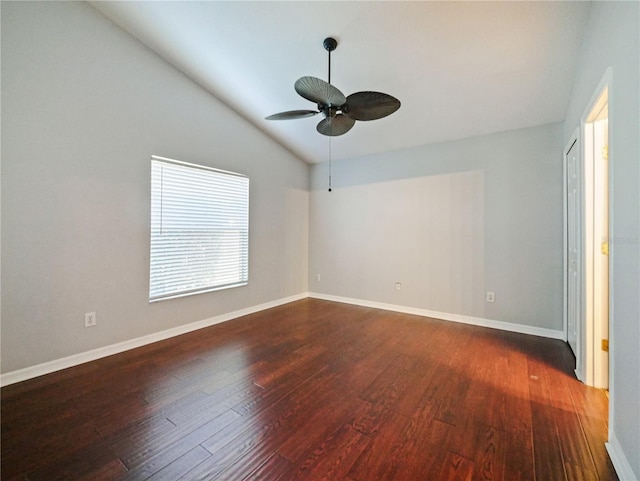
(318, 277)
(491, 297)
(398, 286)
(90, 319)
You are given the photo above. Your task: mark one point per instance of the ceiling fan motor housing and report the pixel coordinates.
(330, 110)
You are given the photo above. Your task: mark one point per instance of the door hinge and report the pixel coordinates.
(604, 248)
(605, 345)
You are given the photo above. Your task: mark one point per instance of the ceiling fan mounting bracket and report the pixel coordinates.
(330, 44)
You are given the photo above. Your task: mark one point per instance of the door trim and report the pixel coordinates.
(588, 342)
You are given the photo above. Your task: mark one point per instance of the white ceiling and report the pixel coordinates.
(459, 68)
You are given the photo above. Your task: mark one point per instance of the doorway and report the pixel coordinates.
(596, 234)
(587, 241)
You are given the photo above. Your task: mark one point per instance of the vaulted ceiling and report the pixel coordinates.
(460, 69)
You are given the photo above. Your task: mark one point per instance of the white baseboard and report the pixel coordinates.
(476, 321)
(619, 460)
(76, 359)
(81, 358)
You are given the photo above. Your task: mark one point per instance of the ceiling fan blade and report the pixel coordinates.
(370, 105)
(319, 91)
(292, 114)
(334, 126)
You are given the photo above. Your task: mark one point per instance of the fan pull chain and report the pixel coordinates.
(330, 118)
(329, 160)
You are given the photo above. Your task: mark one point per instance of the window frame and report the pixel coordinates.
(238, 210)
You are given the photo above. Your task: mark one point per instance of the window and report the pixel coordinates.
(199, 229)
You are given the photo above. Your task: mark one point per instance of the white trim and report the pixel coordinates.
(196, 166)
(619, 460)
(587, 340)
(476, 321)
(81, 358)
(613, 141)
(76, 359)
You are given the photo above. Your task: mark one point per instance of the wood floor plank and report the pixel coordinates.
(239, 451)
(332, 410)
(491, 452)
(182, 465)
(290, 363)
(370, 464)
(314, 390)
(573, 443)
(519, 464)
(215, 404)
(251, 438)
(456, 468)
(273, 468)
(413, 455)
(596, 429)
(333, 458)
(579, 473)
(548, 460)
(30, 453)
(114, 469)
(513, 371)
(148, 458)
(82, 462)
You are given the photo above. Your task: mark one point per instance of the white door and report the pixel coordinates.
(573, 250)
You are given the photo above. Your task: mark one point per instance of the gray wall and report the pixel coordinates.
(84, 106)
(449, 221)
(612, 40)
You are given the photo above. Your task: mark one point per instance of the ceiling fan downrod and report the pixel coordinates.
(330, 45)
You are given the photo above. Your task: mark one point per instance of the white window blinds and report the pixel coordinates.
(199, 229)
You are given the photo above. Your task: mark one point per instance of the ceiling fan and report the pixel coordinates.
(340, 112)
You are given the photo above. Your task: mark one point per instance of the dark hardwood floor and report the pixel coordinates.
(314, 390)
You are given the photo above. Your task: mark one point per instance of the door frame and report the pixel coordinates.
(589, 342)
(597, 233)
